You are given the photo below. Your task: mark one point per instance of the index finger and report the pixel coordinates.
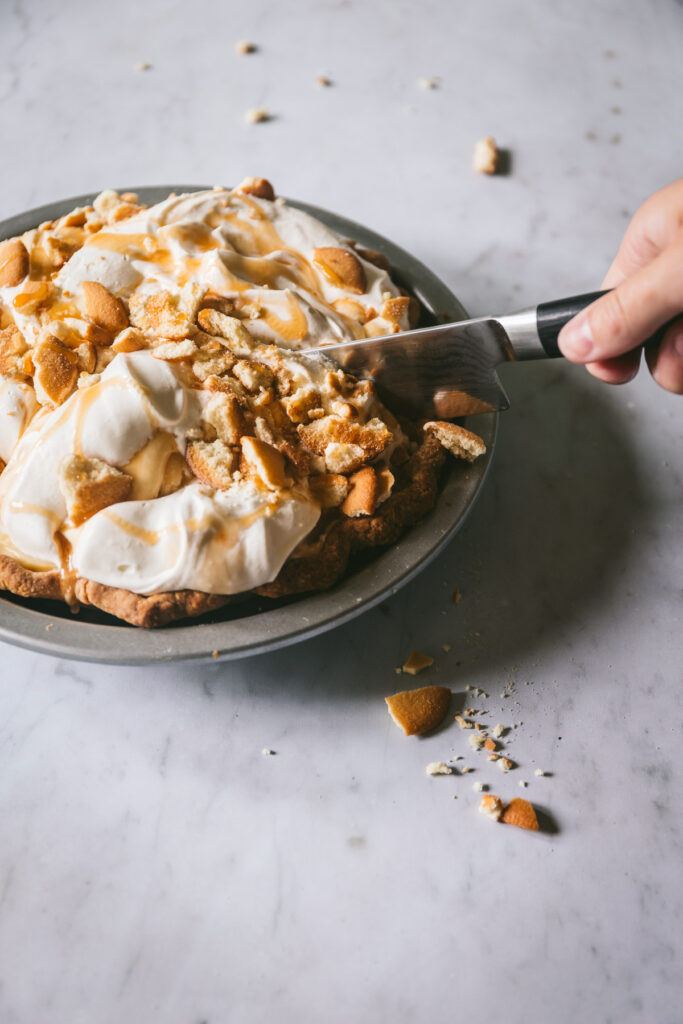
(653, 228)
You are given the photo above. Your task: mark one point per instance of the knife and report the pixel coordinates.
(450, 370)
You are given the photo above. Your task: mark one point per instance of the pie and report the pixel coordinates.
(171, 431)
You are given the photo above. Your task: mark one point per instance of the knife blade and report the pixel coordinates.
(450, 370)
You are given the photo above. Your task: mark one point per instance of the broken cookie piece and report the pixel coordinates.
(259, 187)
(486, 156)
(491, 806)
(458, 441)
(416, 662)
(89, 485)
(104, 309)
(341, 267)
(418, 711)
(212, 462)
(14, 263)
(521, 813)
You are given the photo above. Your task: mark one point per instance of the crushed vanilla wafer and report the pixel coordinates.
(256, 115)
(521, 813)
(491, 806)
(416, 662)
(486, 156)
(418, 711)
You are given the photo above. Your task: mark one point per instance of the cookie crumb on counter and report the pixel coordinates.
(256, 115)
(416, 662)
(243, 47)
(438, 768)
(539, 771)
(491, 806)
(418, 711)
(485, 156)
(267, 752)
(521, 814)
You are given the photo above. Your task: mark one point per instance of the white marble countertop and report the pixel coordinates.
(154, 865)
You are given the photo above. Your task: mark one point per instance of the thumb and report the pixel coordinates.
(631, 313)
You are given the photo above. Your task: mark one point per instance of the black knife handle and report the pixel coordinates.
(552, 316)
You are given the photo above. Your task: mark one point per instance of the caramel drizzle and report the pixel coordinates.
(222, 532)
(248, 263)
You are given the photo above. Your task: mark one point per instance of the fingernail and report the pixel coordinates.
(576, 338)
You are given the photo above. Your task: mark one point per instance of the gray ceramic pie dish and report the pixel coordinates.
(255, 625)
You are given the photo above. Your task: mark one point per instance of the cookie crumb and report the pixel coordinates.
(462, 722)
(478, 787)
(505, 764)
(323, 81)
(522, 784)
(416, 662)
(244, 47)
(457, 596)
(491, 806)
(256, 115)
(498, 731)
(143, 65)
(446, 648)
(438, 768)
(476, 740)
(214, 655)
(490, 744)
(485, 156)
(539, 772)
(267, 752)
(428, 83)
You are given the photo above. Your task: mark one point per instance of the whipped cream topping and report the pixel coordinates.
(194, 538)
(197, 539)
(17, 406)
(257, 252)
(259, 256)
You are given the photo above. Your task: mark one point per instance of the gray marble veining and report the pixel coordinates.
(154, 864)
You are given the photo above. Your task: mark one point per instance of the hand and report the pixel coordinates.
(647, 278)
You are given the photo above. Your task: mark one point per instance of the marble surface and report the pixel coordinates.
(154, 864)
